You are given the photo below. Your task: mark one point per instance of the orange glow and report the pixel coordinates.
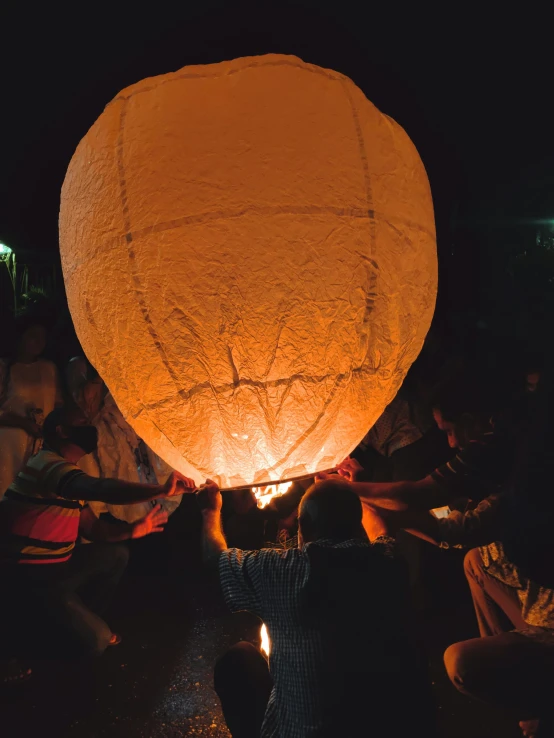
(264, 495)
(265, 642)
(249, 256)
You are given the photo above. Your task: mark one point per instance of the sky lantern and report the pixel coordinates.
(249, 256)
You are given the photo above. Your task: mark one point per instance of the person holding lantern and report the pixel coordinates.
(510, 564)
(337, 612)
(120, 453)
(469, 414)
(48, 579)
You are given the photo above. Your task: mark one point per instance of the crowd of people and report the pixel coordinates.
(465, 463)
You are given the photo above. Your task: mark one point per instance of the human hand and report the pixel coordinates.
(322, 476)
(151, 523)
(177, 484)
(209, 497)
(350, 469)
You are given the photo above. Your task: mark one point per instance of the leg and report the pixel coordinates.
(510, 670)
(243, 684)
(82, 632)
(496, 605)
(48, 618)
(96, 569)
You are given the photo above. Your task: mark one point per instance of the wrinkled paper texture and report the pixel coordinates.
(250, 262)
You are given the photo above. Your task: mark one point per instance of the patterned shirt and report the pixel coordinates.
(479, 469)
(37, 525)
(394, 429)
(477, 528)
(270, 583)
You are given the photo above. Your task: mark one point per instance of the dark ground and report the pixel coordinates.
(158, 682)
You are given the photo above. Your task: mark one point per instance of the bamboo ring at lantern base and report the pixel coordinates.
(276, 482)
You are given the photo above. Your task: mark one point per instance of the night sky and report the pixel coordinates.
(472, 90)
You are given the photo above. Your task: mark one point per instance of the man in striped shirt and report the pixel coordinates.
(48, 580)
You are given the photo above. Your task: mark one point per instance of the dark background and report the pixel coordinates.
(472, 86)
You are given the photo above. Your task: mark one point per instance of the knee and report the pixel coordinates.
(236, 656)
(460, 665)
(235, 662)
(472, 563)
(120, 556)
(116, 558)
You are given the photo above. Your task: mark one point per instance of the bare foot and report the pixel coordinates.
(530, 728)
(13, 672)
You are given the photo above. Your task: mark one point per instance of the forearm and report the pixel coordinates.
(423, 495)
(213, 539)
(473, 528)
(112, 491)
(423, 525)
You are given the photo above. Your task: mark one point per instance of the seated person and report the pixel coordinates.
(510, 570)
(511, 578)
(342, 657)
(45, 575)
(464, 412)
(120, 454)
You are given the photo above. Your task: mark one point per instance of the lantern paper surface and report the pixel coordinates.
(249, 256)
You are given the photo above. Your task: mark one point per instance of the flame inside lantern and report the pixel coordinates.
(264, 495)
(265, 642)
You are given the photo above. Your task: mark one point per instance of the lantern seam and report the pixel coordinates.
(137, 285)
(261, 384)
(254, 65)
(371, 291)
(365, 164)
(186, 394)
(214, 215)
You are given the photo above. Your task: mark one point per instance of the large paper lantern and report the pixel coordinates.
(249, 256)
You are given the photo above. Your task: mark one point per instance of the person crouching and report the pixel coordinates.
(55, 588)
(343, 661)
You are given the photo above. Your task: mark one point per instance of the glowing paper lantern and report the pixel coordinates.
(249, 256)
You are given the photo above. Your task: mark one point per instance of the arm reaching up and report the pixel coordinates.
(80, 486)
(425, 494)
(210, 502)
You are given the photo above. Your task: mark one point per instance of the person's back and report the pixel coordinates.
(337, 615)
(358, 599)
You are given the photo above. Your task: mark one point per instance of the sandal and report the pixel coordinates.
(12, 672)
(115, 640)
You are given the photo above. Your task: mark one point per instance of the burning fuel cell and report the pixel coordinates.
(265, 643)
(249, 256)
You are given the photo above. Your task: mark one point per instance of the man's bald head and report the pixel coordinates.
(330, 509)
